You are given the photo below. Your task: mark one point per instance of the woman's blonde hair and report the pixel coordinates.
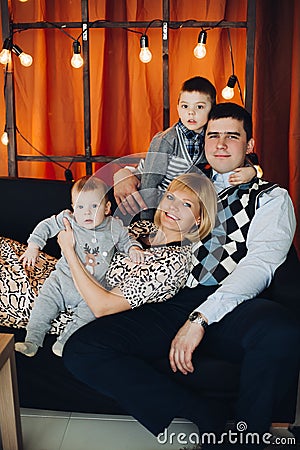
(199, 185)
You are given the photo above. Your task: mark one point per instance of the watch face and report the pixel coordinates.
(193, 316)
(196, 317)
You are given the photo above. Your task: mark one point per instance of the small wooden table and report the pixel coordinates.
(10, 420)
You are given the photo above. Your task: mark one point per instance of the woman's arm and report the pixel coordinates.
(100, 301)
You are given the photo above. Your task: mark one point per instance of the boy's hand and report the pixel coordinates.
(30, 256)
(126, 193)
(137, 255)
(242, 175)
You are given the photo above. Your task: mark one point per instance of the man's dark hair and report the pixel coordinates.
(228, 109)
(200, 84)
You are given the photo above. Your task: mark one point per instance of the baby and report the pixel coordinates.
(96, 236)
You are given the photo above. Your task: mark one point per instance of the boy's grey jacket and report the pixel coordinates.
(166, 158)
(94, 247)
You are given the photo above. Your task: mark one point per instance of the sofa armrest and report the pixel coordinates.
(285, 286)
(27, 201)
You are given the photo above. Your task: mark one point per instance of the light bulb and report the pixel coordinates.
(145, 54)
(200, 49)
(4, 138)
(5, 56)
(76, 60)
(228, 91)
(26, 60)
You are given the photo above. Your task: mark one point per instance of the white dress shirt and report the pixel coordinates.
(269, 238)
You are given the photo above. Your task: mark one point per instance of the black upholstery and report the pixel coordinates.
(26, 202)
(44, 382)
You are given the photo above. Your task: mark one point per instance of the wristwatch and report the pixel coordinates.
(197, 317)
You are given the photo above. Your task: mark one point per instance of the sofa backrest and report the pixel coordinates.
(27, 201)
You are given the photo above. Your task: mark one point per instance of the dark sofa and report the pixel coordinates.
(43, 381)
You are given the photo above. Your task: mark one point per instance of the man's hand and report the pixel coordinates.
(183, 345)
(126, 193)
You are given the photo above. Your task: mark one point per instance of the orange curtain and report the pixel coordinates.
(276, 106)
(126, 95)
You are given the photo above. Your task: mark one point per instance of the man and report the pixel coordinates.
(221, 316)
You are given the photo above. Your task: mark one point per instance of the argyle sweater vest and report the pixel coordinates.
(216, 256)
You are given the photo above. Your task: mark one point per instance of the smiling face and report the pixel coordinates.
(193, 109)
(179, 212)
(90, 208)
(226, 144)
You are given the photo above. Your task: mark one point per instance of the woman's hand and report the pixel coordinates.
(138, 255)
(183, 345)
(65, 238)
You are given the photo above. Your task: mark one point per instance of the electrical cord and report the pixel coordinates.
(67, 170)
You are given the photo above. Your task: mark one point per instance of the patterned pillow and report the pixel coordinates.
(19, 287)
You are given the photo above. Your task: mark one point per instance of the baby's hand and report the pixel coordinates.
(137, 255)
(242, 175)
(30, 256)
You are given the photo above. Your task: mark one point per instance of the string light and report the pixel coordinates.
(76, 60)
(5, 55)
(145, 54)
(228, 91)
(4, 138)
(8, 47)
(200, 49)
(25, 58)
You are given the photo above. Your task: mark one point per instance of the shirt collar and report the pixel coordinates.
(220, 180)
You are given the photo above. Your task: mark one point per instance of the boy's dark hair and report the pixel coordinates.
(228, 109)
(200, 84)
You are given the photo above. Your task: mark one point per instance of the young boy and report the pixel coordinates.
(96, 235)
(175, 151)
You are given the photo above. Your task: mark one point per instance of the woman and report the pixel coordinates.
(186, 214)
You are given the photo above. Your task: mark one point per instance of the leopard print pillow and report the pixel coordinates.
(19, 287)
